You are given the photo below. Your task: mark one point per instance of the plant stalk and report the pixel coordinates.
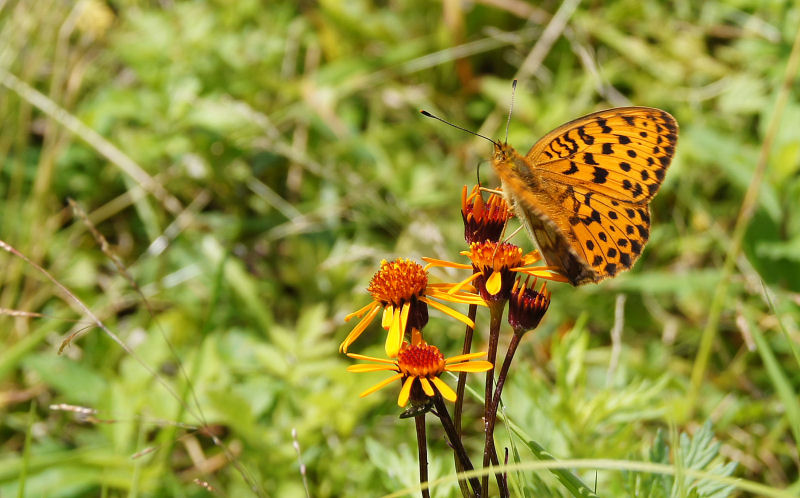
(422, 445)
(496, 316)
(460, 387)
(455, 442)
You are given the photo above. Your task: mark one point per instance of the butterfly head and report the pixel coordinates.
(503, 153)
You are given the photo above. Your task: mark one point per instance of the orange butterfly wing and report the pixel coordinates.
(583, 189)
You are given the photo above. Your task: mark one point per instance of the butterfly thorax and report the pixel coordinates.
(529, 193)
(507, 161)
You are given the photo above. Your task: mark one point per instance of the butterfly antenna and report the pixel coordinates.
(511, 107)
(426, 113)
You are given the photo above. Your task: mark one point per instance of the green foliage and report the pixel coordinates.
(288, 157)
(699, 452)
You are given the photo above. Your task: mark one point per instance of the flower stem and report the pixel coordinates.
(496, 317)
(462, 376)
(462, 382)
(455, 442)
(422, 444)
(492, 418)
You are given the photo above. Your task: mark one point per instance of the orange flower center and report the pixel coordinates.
(420, 360)
(495, 256)
(398, 281)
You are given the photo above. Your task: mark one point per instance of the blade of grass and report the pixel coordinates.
(786, 335)
(26, 452)
(746, 212)
(778, 378)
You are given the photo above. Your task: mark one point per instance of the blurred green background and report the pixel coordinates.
(250, 163)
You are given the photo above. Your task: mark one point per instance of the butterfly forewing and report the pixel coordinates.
(624, 152)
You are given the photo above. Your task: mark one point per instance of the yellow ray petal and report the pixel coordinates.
(445, 264)
(470, 366)
(402, 400)
(444, 389)
(353, 335)
(380, 384)
(369, 358)
(494, 282)
(370, 368)
(464, 282)
(538, 272)
(360, 312)
(395, 336)
(531, 258)
(404, 321)
(388, 313)
(449, 311)
(463, 357)
(426, 386)
(460, 297)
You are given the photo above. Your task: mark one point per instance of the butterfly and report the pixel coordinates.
(583, 190)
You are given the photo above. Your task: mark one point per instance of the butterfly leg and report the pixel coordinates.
(491, 191)
(512, 233)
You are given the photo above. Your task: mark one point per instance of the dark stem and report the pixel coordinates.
(492, 417)
(462, 376)
(422, 444)
(455, 442)
(462, 382)
(496, 317)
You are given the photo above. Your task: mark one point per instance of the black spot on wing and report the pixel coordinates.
(573, 145)
(600, 175)
(588, 139)
(573, 168)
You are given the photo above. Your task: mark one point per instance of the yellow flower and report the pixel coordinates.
(419, 366)
(401, 289)
(495, 264)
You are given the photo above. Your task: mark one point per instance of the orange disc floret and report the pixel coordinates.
(398, 281)
(420, 360)
(494, 261)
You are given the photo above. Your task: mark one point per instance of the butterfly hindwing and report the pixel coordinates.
(610, 234)
(542, 212)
